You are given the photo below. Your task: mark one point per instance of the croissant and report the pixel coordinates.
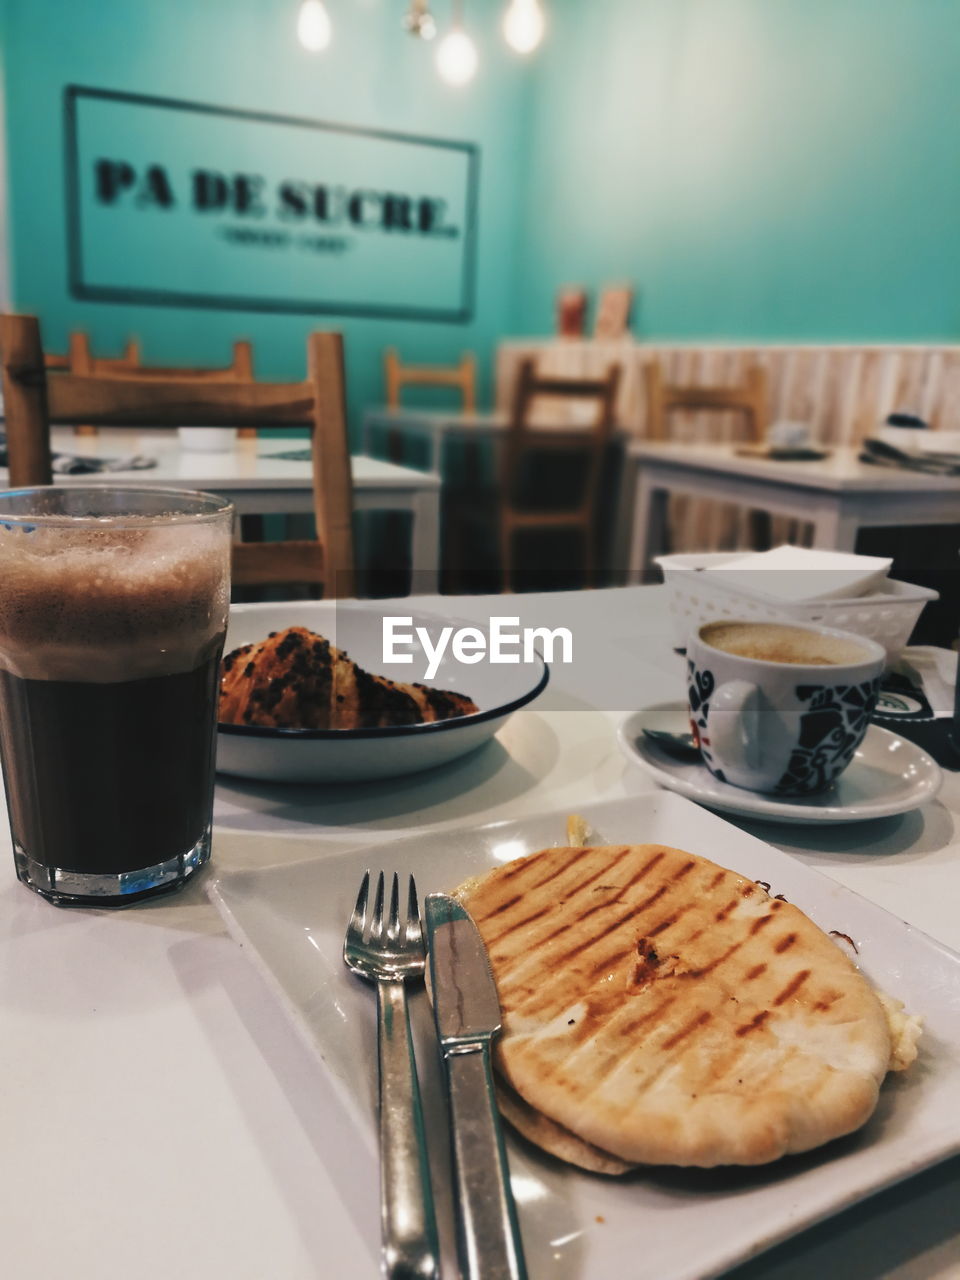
(296, 679)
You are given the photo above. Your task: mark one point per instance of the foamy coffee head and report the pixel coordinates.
(777, 642)
(102, 602)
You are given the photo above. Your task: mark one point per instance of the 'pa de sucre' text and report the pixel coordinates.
(249, 195)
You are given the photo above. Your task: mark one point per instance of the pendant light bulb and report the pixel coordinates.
(313, 26)
(419, 21)
(524, 25)
(457, 58)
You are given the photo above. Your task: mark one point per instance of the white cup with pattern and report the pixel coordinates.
(780, 707)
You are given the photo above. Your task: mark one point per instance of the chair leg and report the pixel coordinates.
(761, 536)
(507, 533)
(589, 556)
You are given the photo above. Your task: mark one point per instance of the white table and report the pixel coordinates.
(161, 1118)
(437, 427)
(257, 482)
(838, 495)
(434, 426)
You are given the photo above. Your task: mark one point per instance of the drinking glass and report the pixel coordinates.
(113, 610)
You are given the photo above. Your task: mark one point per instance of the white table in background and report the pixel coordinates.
(438, 427)
(257, 482)
(433, 425)
(162, 1118)
(838, 495)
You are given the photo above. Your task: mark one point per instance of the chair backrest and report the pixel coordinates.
(588, 436)
(461, 377)
(33, 402)
(129, 365)
(81, 360)
(750, 399)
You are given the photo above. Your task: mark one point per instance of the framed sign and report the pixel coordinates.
(180, 204)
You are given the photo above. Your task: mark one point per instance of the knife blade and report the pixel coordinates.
(467, 1015)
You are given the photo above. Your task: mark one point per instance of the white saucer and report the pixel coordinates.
(889, 775)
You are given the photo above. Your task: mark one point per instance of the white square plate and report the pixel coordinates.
(669, 1224)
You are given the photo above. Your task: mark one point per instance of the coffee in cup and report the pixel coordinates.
(780, 707)
(779, 642)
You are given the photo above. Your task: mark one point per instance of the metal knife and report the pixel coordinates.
(467, 1014)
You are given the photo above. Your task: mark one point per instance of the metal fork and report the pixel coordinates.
(388, 956)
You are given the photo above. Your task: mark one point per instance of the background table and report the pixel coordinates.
(161, 1118)
(838, 495)
(433, 426)
(257, 482)
(437, 428)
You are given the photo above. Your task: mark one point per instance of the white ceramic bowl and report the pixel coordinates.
(363, 755)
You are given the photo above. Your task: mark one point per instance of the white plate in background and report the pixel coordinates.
(888, 775)
(666, 1224)
(364, 755)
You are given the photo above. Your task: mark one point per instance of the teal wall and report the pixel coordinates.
(773, 169)
(244, 53)
(770, 169)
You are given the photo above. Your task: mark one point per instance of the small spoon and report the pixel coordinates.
(680, 745)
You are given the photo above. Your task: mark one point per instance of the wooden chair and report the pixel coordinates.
(461, 377)
(750, 399)
(526, 443)
(81, 360)
(78, 354)
(33, 402)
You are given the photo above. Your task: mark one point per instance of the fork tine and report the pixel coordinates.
(376, 929)
(414, 923)
(358, 919)
(393, 928)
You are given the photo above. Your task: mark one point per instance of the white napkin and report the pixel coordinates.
(795, 574)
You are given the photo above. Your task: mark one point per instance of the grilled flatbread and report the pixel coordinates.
(553, 1138)
(660, 1009)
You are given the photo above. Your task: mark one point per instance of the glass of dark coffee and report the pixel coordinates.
(113, 610)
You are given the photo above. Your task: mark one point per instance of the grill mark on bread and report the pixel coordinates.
(792, 987)
(595, 1021)
(725, 911)
(596, 1018)
(633, 913)
(581, 888)
(575, 921)
(755, 971)
(759, 923)
(666, 924)
(503, 906)
(592, 942)
(718, 878)
(654, 897)
(657, 857)
(702, 1018)
(522, 865)
(512, 928)
(631, 1027)
(609, 963)
(754, 1024)
(717, 960)
(785, 943)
